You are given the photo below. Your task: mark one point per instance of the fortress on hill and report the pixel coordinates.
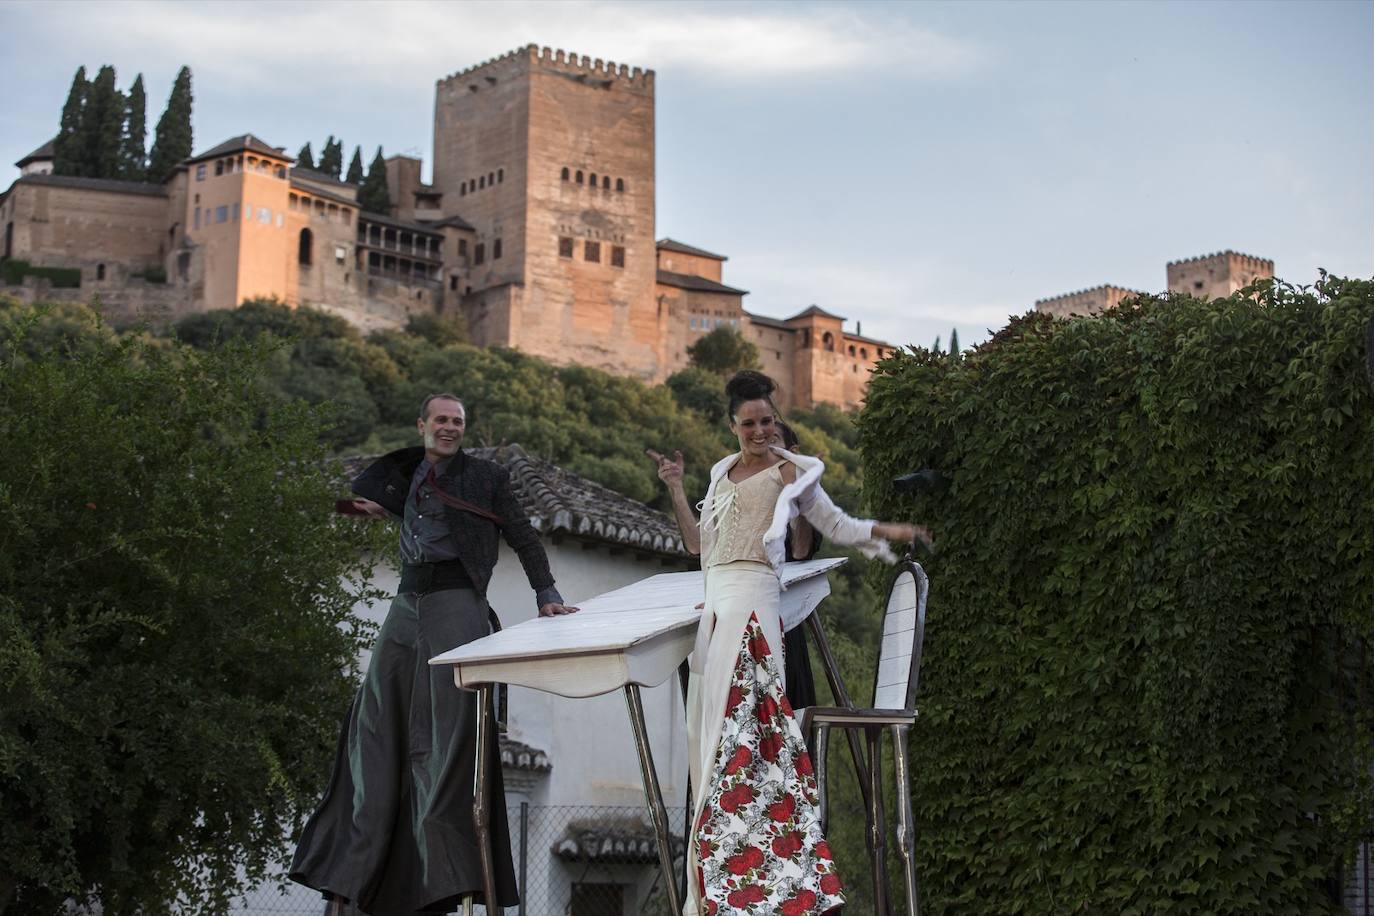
(538, 229)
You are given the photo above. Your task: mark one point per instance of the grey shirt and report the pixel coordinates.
(424, 529)
(425, 532)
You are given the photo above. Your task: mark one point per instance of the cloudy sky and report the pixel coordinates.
(916, 167)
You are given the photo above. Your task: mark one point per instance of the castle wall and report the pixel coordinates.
(695, 265)
(1085, 302)
(688, 316)
(55, 226)
(777, 357)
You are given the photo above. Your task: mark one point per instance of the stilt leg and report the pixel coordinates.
(467, 905)
(653, 795)
(821, 738)
(906, 837)
(481, 807)
(877, 829)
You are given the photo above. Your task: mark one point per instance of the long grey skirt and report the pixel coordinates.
(394, 833)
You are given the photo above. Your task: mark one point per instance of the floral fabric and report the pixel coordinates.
(759, 840)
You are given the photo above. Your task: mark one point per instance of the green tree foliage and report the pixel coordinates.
(698, 390)
(1145, 686)
(331, 160)
(103, 126)
(172, 140)
(176, 635)
(305, 159)
(69, 148)
(356, 175)
(722, 351)
(954, 352)
(373, 196)
(439, 330)
(134, 153)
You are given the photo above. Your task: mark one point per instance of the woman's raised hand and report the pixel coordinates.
(669, 469)
(902, 532)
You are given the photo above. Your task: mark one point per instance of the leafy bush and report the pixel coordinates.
(1145, 688)
(176, 629)
(14, 271)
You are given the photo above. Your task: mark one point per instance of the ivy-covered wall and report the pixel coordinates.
(1146, 684)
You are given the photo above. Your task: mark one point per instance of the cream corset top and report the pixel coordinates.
(740, 514)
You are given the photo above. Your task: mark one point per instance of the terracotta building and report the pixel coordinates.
(538, 228)
(1211, 276)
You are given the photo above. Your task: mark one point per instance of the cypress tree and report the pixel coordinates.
(135, 162)
(356, 175)
(373, 196)
(954, 353)
(331, 160)
(103, 127)
(305, 159)
(68, 149)
(172, 139)
(936, 348)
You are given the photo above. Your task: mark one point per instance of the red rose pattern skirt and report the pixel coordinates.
(758, 841)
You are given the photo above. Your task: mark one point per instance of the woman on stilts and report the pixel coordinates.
(757, 845)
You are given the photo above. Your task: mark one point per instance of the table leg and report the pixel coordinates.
(481, 796)
(654, 795)
(906, 837)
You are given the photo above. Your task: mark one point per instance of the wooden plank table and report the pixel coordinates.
(632, 637)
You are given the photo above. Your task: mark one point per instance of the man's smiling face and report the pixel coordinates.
(442, 428)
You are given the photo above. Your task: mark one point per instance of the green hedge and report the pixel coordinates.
(1146, 688)
(14, 270)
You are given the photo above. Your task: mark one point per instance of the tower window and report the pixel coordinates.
(100, 271)
(304, 246)
(617, 256)
(479, 254)
(591, 251)
(828, 340)
(606, 182)
(591, 180)
(500, 176)
(620, 184)
(463, 247)
(491, 178)
(565, 247)
(463, 189)
(219, 166)
(851, 349)
(565, 173)
(579, 176)
(453, 283)
(496, 249)
(482, 182)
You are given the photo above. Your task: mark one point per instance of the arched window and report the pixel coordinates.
(304, 250)
(851, 349)
(620, 184)
(579, 176)
(100, 271)
(463, 189)
(806, 338)
(565, 173)
(491, 178)
(606, 182)
(592, 179)
(482, 182)
(828, 340)
(863, 352)
(500, 176)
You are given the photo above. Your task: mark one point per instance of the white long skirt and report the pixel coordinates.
(757, 845)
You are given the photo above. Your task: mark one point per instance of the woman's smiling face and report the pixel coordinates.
(755, 425)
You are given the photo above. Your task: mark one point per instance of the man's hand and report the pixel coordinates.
(553, 609)
(368, 507)
(669, 469)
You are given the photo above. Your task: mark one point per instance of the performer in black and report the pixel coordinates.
(393, 834)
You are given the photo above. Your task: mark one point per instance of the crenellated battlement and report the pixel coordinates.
(532, 55)
(1105, 290)
(1230, 257)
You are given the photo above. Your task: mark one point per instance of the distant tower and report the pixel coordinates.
(1216, 276)
(550, 158)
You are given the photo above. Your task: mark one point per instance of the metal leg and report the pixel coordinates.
(653, 794)
(467, 905)
(877, 829)
(481, 802)
(906, 837)
(837, 688)
(821, 735)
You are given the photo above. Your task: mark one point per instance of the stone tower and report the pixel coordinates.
(550, 158)
(1216, 276)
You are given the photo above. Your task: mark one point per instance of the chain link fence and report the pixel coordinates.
(570, 860)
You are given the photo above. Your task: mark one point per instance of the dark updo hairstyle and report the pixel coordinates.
(749, 385)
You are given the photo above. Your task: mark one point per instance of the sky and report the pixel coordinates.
(916, 167)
